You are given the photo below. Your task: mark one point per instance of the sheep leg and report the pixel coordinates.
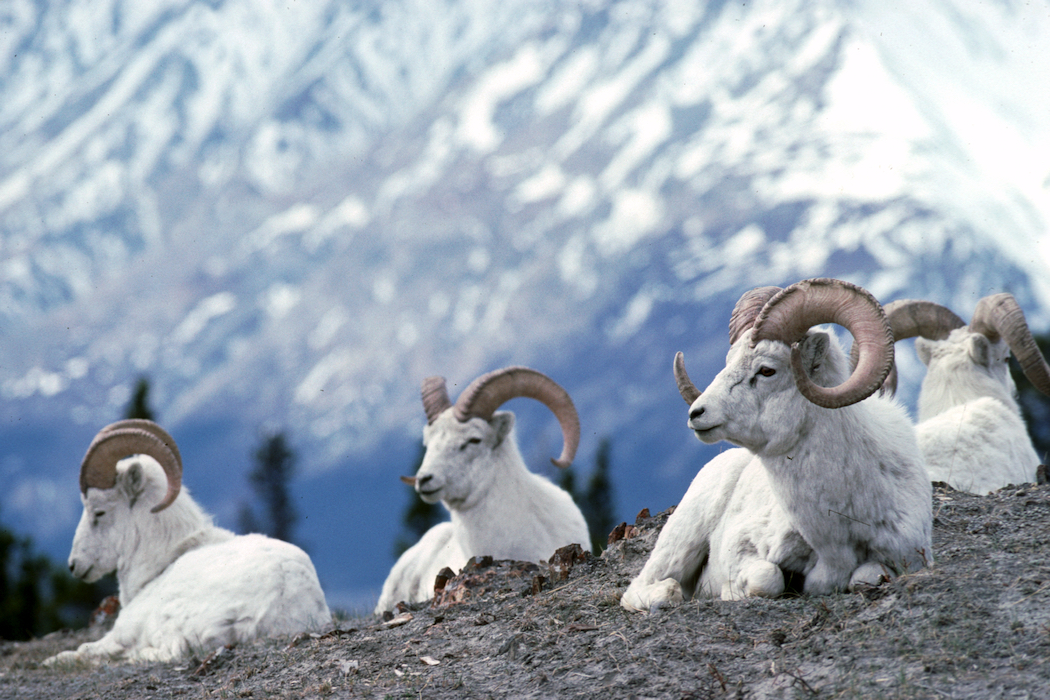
(825, 578)
(760, 578)
(871, 573)
(90, 652)
(643, 598)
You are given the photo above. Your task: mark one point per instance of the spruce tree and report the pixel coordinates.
(138, 406)
(597, 500)
(274, 468)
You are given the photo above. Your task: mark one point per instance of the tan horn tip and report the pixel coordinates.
(410, 480)
(685, 385)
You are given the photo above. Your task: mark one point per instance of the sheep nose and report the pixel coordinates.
(423, 480)
(696, 413)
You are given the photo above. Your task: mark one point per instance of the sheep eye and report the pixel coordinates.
(471, 441)
(99, 514)
(767, 371)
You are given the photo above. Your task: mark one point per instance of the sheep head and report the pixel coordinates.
(971, 361)
(776, 360)
(128, 466)
(911, 318)
(122, 439)
(460, 438)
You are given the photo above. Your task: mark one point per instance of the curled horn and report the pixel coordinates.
(123, 439)
(910, 318)
(435, 398)
(744, 314)
(999, 315)
(490, 391)
(747, 309)
(686, 387)
(793, 311)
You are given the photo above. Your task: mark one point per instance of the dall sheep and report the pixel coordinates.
(185, 585)
(473, 466)
(970, 427)
(829, 483)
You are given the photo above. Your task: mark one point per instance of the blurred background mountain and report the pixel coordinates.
(285, 215)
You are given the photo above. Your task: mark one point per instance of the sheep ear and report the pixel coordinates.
(980, 350)
(814, 349)
(502, 422)
(924, 349)
(132, 482)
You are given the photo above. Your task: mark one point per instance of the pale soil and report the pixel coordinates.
(975, 625)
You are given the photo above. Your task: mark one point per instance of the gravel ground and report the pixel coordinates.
(975, 625)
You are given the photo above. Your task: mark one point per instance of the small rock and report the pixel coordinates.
(402, 619)
(442, 579)
(106, 611)
(565, 559)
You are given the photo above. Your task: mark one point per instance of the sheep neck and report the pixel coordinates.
(828, 470)
(942, 393)
(181, 528)
(509, 502)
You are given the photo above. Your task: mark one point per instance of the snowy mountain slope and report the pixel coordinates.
(289, 218)
(103, 101)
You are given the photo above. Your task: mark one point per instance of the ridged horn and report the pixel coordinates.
(124, 439)
(435, 398)
(747, 309)
(686, 387)
(999, 315)
(911, 318)
(490, 391)
(793, 311)
(152, 427)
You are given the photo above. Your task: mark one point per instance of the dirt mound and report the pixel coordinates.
(975, 625)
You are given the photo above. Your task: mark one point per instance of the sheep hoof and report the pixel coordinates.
(869, 575)
(653, 597)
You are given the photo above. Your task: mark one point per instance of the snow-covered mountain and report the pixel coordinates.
(288, 214)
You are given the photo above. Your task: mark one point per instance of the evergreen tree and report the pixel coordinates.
(274, 468)
(138, 407)
(597, 503)
(37, 596)
(419, 516)
(1035, 406)
(567, 481)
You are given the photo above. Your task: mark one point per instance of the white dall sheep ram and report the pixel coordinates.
(472, 464)
(970, 428)
(185, 584)
(829, 484)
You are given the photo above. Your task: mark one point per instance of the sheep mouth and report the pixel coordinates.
(708, 434)
(428, 492)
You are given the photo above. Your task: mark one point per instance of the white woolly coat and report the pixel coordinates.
(970, 428)
(840, 495)
(498, 507)
(185, 585)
